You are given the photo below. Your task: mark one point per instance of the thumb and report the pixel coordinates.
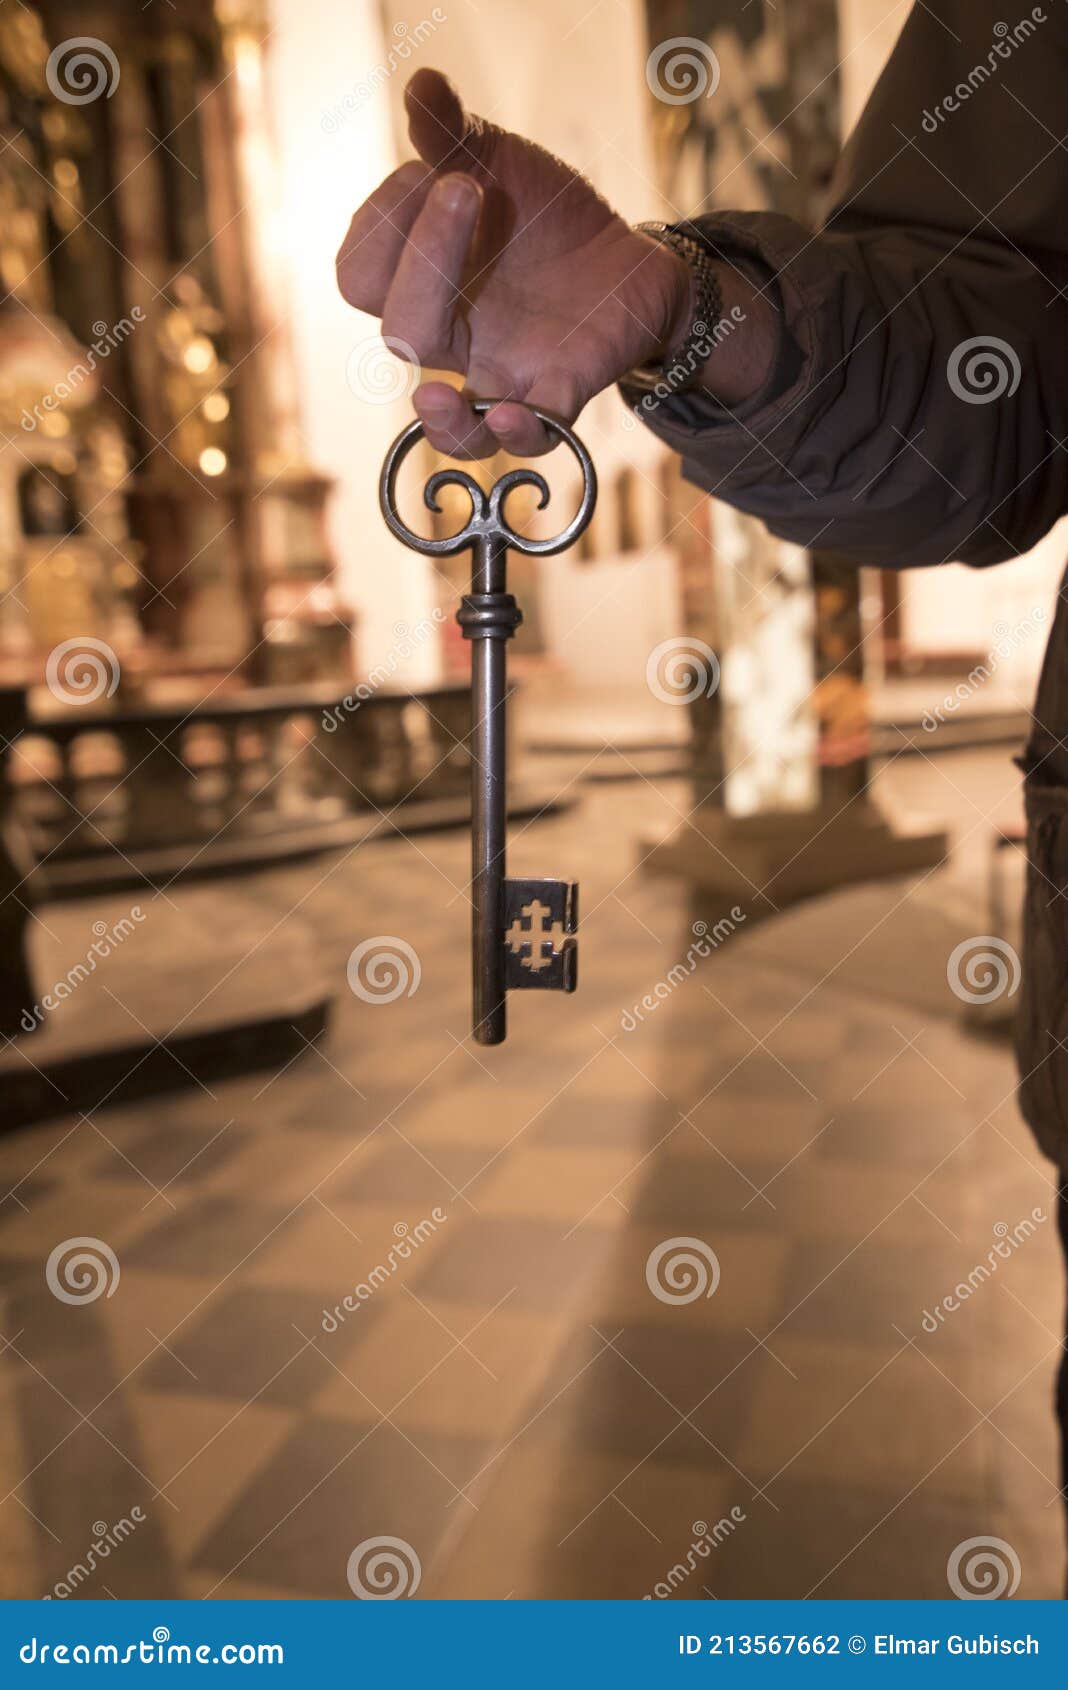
(442, 132)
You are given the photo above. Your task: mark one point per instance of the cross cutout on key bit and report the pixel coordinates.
(542, 932)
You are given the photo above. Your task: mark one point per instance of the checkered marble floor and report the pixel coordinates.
(641, 1301)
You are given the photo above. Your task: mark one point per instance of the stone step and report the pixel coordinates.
(142, 994)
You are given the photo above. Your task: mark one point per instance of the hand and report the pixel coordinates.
(495, 259)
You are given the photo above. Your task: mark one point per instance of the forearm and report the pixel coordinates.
(868, 448)
(871, 431)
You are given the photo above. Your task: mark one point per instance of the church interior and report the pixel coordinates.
(302, 1289)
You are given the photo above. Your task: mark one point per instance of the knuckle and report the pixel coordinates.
(408, 178)
(352, 286)
(356, 279)
(407, 338)
(442, 441)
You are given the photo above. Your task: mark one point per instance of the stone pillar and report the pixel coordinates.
(782, 768)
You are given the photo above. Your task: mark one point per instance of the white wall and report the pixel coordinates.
(320, 51)
(869, 29)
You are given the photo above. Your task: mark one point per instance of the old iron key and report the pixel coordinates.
(522, 930)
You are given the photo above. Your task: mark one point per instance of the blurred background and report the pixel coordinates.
(303, 1293)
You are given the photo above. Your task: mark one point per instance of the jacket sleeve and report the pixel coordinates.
(921, 415)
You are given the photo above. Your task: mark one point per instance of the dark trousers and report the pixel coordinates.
(1062, 1374)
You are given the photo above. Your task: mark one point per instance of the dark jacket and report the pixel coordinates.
(894, 440)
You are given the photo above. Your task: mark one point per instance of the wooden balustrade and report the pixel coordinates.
(106, 798)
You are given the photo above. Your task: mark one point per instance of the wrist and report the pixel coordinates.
(731, 357)
(695, 304)
(681, 306)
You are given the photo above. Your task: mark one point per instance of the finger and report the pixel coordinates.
(516, 426)
(420, 307)
(450, 424)
(437, 122)
(519, 430)
(372, 248)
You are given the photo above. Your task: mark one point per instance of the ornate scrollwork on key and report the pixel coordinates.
(487, 519)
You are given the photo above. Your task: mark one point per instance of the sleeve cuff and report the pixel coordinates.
(773, 251)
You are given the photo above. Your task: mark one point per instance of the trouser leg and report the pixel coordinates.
(1062, 1372)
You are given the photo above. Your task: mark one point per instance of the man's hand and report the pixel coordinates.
(495, 259)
